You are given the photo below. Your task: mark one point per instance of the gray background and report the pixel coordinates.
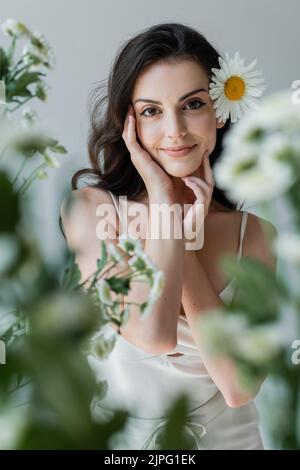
(85, 36)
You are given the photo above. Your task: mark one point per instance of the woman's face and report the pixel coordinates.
(167, 117)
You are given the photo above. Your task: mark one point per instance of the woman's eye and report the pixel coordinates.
(193, 108)
(147, 115)
(196, 101)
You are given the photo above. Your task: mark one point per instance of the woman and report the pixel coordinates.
(158, 99)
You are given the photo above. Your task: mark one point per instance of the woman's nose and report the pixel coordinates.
(175, 127)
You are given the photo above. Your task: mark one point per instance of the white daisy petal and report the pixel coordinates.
(254, 92)
(215, 71)
(215, 93)
(255, 81)
(239, 96)
(251, 66)
(255, 73)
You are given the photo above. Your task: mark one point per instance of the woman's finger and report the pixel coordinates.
(200, 182)
(135, 147)
(196, 189)
(125, 128)
(208, 174)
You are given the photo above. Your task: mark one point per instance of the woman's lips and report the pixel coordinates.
(179, 153)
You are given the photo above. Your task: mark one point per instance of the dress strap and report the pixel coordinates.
(118, 209)
(242, 233)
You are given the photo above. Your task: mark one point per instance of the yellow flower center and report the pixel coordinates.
(234, 88)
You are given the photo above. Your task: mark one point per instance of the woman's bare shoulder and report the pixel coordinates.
(257, 226)
(258, 240)
(78, 212)
(88, 197)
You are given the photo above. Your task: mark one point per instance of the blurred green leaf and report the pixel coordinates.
(258, 291)
(71, 276)
(10, 210)
(4, 64)
(19, 86)
(101, 262)
(119, 285)
(101, 347)
(174, 434)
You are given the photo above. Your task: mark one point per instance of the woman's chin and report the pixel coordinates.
(181, 172)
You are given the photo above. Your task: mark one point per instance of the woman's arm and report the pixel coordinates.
(199, 297)
(157, 333)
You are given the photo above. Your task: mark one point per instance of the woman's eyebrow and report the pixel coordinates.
(144, 100)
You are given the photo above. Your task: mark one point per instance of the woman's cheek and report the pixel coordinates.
(208, 131)
(147, 134)
(212, 140)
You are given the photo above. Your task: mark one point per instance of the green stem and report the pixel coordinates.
(20, 386)
(11, 50)
(20, 170)
(30, 179)
(20, 70)
(94, 275)
(21, 104)
(3, 153)
(94, 279)
(15, 70)
(131, 303)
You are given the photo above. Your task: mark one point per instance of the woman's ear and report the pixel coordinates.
(220, 123)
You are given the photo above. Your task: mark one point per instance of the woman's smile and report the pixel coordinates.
(180, 153)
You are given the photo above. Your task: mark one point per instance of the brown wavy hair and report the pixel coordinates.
(111, 166)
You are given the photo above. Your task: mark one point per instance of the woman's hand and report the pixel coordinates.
(202, 188)
(159, 184)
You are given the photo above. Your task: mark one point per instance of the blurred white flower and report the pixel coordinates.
(254, 178)
(101, 347)
(287, 246)
(40, 90)
(20, 134)
(42, 175)
(261, 152)
(12, 424)
(50, 159)
(158, 285)
(104, 292)
(232, 333)
(280, 112)
(29, 118)
(218, 331)
(38, 52)
(142, 262)
(258, 344)
(9, 251)
(14, 28)
(2, 93)
(129, 245)
(116, 255)
(62, 312)
(7, 319)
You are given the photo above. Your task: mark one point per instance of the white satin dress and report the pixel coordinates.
(147, 384)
